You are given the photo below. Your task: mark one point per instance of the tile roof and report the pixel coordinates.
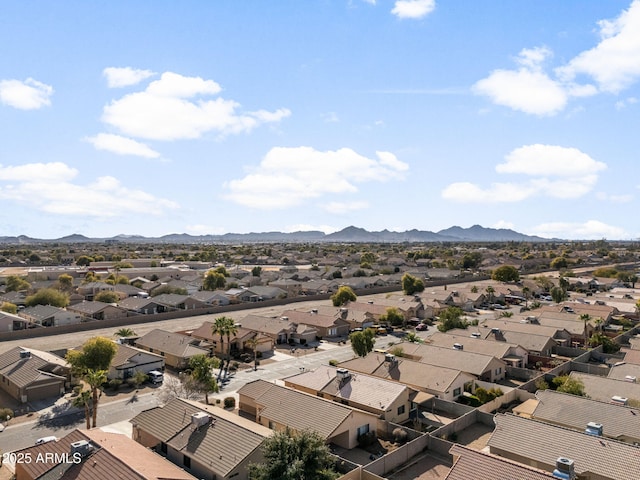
(313, 319)
(461, 360)
(472, 464)
(575, 412)
(625, 371)
(210, 444)
(542, 443)
(362, 389)
(474, 345)
(38, 366)
(603, 388)
(298, 410)
(272, 326)
(176, 344)
(418, 375)
(125, 354)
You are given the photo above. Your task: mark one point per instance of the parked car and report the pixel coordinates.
(422, 327)
(42, 440)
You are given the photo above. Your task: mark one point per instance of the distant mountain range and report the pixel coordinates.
(351, 234)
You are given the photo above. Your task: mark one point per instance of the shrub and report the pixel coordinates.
(333, 363)
(115, 383)
(366, 439)
(229, 402)
(6, 412)
(400, 435)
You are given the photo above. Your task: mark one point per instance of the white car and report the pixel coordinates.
(42, 440)
(1, 427)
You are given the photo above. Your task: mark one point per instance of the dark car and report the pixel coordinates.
(422, 327)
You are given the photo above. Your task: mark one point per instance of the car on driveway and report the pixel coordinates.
(421, 327)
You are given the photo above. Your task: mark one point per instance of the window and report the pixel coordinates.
(363, 429)
(400, 409)
(186, 461)
(498, 371)
(457, 392)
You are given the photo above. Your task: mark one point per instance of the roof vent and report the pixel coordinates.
(617, 400)
(25, 354)
(476, 335)
(594, 429)
(199, 419)
(630, 378)
(284, 318)
(342, 374)
(495, 330)
(565, 469)
(458, 346)
(390, 357)
(82, 447)
(314, 310)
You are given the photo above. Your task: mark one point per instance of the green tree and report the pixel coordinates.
(505, 273)
(48, 296)
(202, 374)
(256, 271)
(92, 363)
(221, 270)
(107, 297)
(567, 384)
(16, 284)
(84, 261)
(392, 317)
(362, 342)
(608, 345)
(413, 338)
(65, 282)
(411, 284)
(213, 281)
(471, 260)
(9, 307)
(451, 318)
(559, 262)
(294, 456)
(343, 295)
(558, 295)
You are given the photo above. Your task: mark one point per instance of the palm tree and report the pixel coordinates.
(585, 317)
(125, 332)
(252, 343)
(232, 329)
(95, 378)
(83, 400)
(525, 293)
(490, 291)
(221, 327)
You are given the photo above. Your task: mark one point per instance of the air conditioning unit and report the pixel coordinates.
(199, 419)
(476, 335)
(617, 400)
(390, 357)
(594, 429)
(82, 447)
(565, 469)
(458, 346)
(630, 378)
(342, 374)
(25, 354)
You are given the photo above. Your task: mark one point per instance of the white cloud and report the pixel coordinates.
(589, 230)
(559, 172)
(125, 76)
(413, 8)
(549, 160)
(27, 95)
(527, 89)
(121, 145)
(164, 112)
(49, 187)
(622, 104)
(330, 117)
(304, 227)
(623, 198)
(290, 176)
(504, 224)
(345, 207)
(615, 62)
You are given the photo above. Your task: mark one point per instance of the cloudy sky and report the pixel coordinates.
(157, 117)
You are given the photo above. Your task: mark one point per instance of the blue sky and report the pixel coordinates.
(157, 117)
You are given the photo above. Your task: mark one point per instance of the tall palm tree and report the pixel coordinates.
(95, 378)
(585, 317)
(125, 332)
(220, 327)
(526, 291)
(252, 343)
(231, 329)
(490, 291)
(83, 400)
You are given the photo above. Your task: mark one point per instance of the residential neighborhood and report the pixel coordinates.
(464, 374)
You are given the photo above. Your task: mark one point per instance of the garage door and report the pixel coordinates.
(41, 392)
